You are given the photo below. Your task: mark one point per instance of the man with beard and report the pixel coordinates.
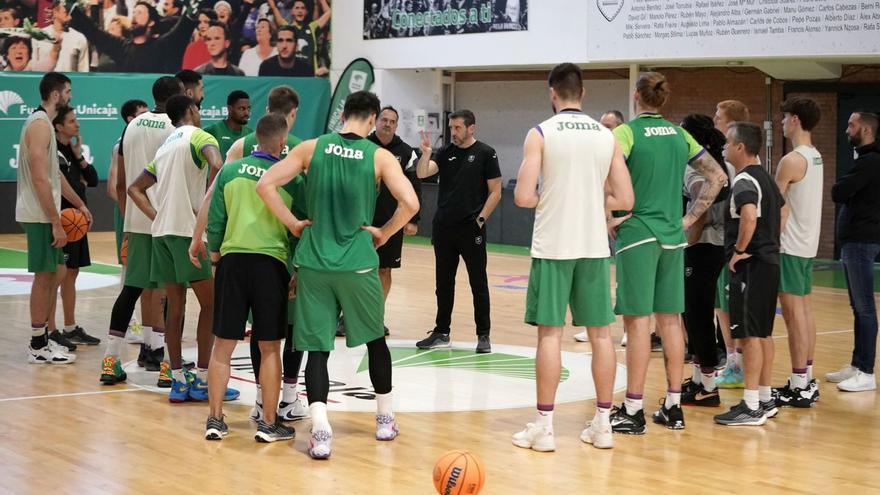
(142, 52)
(193, 86)
(228, 130)
(283, 64)
(74, 52)
(218, 47)
(306, 35)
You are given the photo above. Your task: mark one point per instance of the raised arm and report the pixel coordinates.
(325, 17)
(715, 179)
(426, 167)
(525, 195)
(389, 172)
(792, 168)
(281, 173)
(106, 43)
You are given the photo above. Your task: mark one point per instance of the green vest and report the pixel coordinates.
(250, 144)
(340, 199)
(225, 137)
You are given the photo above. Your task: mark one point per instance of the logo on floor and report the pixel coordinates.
(437, 380)
(17, 281)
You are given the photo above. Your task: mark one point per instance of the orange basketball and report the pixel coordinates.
(459, 472)
(123, 250)
(75, 224)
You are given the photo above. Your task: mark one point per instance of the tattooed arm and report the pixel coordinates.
(715, 178)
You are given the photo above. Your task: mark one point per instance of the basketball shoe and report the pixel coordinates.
(731, 377)
(623, 422)
(537, 438)
(741, 415)
(386, 427)
(319, 444)
(598, 435)
(672, 418)
(291, 411)
(275, 432)
(216, 428)
(111, 371)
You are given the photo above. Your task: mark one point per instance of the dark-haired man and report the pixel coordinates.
(217, 41)
(612, 119)
(234, 126)
(193, 85)
(283, 64)
(470, 189)
(751, 241)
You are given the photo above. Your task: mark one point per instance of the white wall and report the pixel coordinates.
(557, 32)
(505, 111)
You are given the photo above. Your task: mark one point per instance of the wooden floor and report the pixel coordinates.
(62, 432)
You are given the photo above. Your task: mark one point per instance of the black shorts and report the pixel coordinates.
(389, 253)
(246, 283)
(76, 254)
(753, 292)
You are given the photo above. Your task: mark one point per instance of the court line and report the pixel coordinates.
(75, 394)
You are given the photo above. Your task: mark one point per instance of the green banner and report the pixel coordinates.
(97, 99)
(357, 76)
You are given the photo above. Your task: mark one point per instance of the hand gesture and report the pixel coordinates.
(379, 237)
(425, 144)
(614, 222)
(736, 259)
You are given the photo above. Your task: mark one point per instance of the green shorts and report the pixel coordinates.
(42, 257)
(721, 291)
(796, 275)
(118, 222)
(140, 254)
(650, 279)
(171, 263)
(319, 297)
(584, 284)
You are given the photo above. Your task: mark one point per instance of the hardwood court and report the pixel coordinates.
(62, 432)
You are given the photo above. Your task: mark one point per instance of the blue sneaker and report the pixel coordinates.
(198, 391)
(179, 391)
(731, 377)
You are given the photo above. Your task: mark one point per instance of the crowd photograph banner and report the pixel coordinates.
(97, 99)
(413, 18)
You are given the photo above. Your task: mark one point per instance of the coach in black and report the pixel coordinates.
(470, 189)
(751, 246)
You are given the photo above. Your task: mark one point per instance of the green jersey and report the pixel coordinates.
(226, 136)
(340, 199)
(250, 144)
(657, 153)
(238, 220)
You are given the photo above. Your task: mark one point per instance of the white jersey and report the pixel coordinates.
(804, 199)
(143, 137)
(570, 217)
(181, 173)
(27, 206)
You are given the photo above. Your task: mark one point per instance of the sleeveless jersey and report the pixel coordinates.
(27, 206)
(143, 137)
(804, 198)
(298, 183)
(570, 217)
(340, 199)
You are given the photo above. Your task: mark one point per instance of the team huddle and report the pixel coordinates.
(282, 235)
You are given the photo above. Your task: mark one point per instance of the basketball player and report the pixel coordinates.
(582, 173)
(283, 101)
(751, 242)
(799, 178)
(180, 171)
(193, 85)
(336, 258)
(252, 249)
(139, 143)
(726, 113)
(650, 258)
(40, 186)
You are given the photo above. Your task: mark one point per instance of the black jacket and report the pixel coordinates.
(78, 176)
(858, 194)
(385, 203)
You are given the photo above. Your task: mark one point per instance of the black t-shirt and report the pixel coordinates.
(386, 205)
(753, 185)
(463, 176)
(208, 69)
(272, 67)
(77, 176)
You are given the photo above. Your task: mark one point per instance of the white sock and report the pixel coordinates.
(288, 392)
(384, 404)
(259, 394)
(672, 399)
(544, 418)
(177, 375)
(799, 380)
(696, 377)
(632, 405)
(809, 373)
(603, 415)
(38, 331)
(751, 399)
(69, 328)
(708, 381)
(765, 393)
(318, 411)
(157, 339)
(147, 336)
(202, 374)
(114, 346)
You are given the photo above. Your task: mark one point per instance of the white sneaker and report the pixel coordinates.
(51, 353)
(538, 438)
(599, 436)
(319, 444)
(386, 427)
(293, 411)
(842, 374)
(623, 340)
(582, 337)
(257, 412)
(860, 382)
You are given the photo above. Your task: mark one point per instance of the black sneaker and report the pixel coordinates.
(769, 408)
(340, 328)
(700, 397)
(143, 356)
(788, 396)
(434, 340)
(60, 339)
(656, 343)
(483, 344)
(215, 428)
(814, 386)
(689, 386)
(154, 359)
(672, 418)
(79, 336)
(623, 422)
(741, 415)
(268, 433)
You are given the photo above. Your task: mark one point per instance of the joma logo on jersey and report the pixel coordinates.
(156, 124)
(251, 170)
(335, 149)
(660, 131)
(577, 126)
